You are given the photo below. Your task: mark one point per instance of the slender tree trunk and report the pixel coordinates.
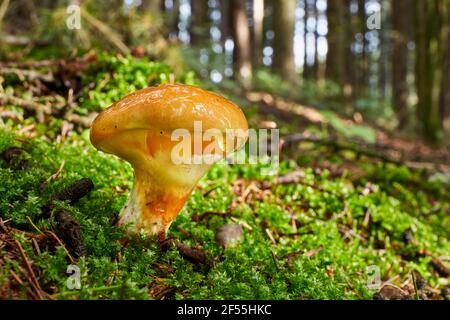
(225, 21)
(316, 65)
(349, 37)
(258, 19)
(445, 83)
(382, 74)
(362, 76)
(283, 25)
(308, 69)
(427, 73)
(401, 21)
(241, 35)
(199, 24)
(152, 6)
(335, 63)
(174, 18)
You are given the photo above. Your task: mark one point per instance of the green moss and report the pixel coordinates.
(245, 271)
(113, 77)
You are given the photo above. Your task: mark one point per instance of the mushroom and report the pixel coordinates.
(144, 129)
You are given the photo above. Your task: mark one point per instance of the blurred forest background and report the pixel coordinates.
(383, 61)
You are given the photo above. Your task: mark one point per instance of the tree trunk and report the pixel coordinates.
(174, 18)
(362, 76)
(308, 69)
(225, 20)
(335, 63)
(241, 36)
(382, 74)
(152, 6)
(349, 38)
(427, 73)
(316, 66)
(283, 25)
(258, 18)
(445, 83)
(401, 22)
(199, 24)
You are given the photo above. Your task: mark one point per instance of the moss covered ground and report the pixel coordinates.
(322, 235)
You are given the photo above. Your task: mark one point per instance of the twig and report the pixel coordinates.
(58, 172)
(30, 74)
(26, 129)
(31, 64)
(33, 280)
(16, 277)
(184, 232)
(274, 258)
(283, 108)
(314, 251)
(270, 235)
(289, 257)
(36, 246)
(22, 40)
(440, 267)
(72, 260)
(34, 226)
(82, 121)
(208, 192)
(26, 104)
(242, 223)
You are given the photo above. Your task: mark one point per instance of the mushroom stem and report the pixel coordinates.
(152, 205)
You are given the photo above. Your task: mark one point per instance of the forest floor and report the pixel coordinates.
(352, 213)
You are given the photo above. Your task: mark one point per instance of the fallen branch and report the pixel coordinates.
(30, 74)
(283, 108)
(368, 150)
(334, 143)
(440, 267)
(58, 240)
(23, 41)
(312, 252)
(85, 122)
(30, 64)
(32, 277)
(26, 104)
